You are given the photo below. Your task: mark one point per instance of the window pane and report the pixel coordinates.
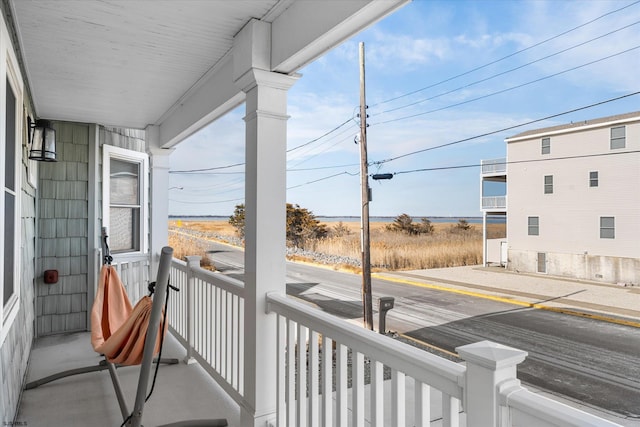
(533, 225)
(548, 184)
(617, 132)
(124, 183)
(124, 229)
(593, 179)
(607, 227)
(618, 137)
(546, 145)
(10, 138)
(9, 227)
(607, 221)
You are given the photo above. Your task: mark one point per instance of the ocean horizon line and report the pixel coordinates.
(352, 218)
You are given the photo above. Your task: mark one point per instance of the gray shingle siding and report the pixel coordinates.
(62, 307)
(14, 352)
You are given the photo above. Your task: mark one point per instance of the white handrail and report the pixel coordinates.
(438, 372)
(540, 411)
(207, 317)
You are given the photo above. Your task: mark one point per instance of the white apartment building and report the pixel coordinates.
(573, 205)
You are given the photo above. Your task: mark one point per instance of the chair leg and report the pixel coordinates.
(37, 383)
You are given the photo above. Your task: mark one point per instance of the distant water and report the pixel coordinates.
(434, 219)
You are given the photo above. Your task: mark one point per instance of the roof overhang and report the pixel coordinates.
(167, 63)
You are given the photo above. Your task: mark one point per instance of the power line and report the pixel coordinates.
(322, 179)
(508, 89)
(507, 128)
(206, 203)
(513, 162)
(321, 136)
(323, 167)
(189, 171)
(507, 56)
(505, 72)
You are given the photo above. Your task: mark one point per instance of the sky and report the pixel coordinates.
(437, 73)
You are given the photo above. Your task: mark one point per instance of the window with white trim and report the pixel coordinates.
(546, 145)
(618, 137)
(607, 227)
(124, 199)
(533, 223)
(548, 184)
(593, 179)
(10, 187)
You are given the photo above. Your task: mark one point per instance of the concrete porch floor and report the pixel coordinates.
(182, 392)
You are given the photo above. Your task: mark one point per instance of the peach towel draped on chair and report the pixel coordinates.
(118, 330)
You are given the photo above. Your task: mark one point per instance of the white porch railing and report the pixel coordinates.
(133, 270)
(334, 373)
(310, 340)
(494, 202)
(493, 166)
(207, 317)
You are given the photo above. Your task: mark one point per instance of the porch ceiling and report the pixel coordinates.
(134, 63)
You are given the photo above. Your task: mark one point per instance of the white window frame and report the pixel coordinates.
(9, 311)
(608, 231)
(533, 227)
(618, 141)
(546, 146)
(142, 159)
(548, 186)
(594, 179)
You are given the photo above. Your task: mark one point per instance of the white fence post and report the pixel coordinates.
(488, 366)
(192, 262)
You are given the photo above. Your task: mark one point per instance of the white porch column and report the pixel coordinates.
(265, 215)
(159, 196)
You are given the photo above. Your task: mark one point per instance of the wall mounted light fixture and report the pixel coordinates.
(42, 140)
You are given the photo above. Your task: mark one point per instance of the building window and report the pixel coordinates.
(618, 138)
(546, 145)
(607, 227)
(542, 262)
(548, 184)
(10, 202)
(593, 179)
(534, 226)
(9, 195)
(125, 191)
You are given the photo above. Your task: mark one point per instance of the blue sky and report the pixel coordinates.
(437, 72)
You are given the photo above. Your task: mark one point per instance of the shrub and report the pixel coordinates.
(404, 224)
(237, 220)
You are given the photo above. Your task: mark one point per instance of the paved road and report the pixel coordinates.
(587, 360)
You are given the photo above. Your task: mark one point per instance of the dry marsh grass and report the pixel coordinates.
(447, 246)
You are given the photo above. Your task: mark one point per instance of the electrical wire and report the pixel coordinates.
(552, 116)
(513, 162)
(321, 136)
(507, 56)
(507, 89)
(504, 72)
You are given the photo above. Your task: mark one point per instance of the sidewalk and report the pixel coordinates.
(602, 301)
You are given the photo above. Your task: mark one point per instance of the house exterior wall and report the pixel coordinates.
(569, 218)
(63, 219)
(66, 193)
(15, 345)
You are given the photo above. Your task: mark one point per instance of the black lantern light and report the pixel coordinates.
(42, 139)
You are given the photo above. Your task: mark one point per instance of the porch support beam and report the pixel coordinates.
(159, 196)
(265, 215)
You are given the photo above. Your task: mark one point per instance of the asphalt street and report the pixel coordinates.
(583, 359)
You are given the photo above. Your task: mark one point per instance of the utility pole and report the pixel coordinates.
(365, 196)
